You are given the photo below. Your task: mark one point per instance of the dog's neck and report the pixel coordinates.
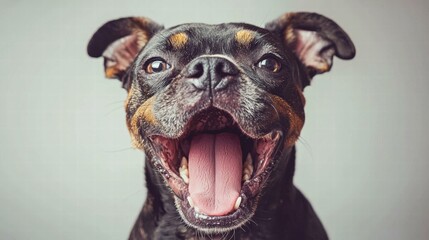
(159, 211)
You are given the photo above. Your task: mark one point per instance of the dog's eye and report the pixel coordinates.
(156, 66)
(270, 64)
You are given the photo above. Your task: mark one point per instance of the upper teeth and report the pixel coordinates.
(247, 168)
(183, 170)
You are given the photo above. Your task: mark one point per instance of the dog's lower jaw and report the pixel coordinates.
(275, 218)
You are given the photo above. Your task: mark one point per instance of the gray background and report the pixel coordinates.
(67, 170)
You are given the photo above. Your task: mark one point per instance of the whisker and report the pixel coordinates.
(119, 150)
(113, 110)
(306, 146)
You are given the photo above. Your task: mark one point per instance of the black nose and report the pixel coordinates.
(214, 73)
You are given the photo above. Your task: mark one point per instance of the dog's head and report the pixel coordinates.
(217, 108)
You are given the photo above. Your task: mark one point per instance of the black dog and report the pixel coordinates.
(217, 110)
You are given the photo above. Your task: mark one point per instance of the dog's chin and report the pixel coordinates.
(216, 170)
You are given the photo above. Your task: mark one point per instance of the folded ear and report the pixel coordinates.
(314, 39)
(119, 41)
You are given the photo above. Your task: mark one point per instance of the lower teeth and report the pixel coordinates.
(237, 203)
(191, 203)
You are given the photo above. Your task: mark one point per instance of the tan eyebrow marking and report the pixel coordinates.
(178, 40)
(244, 37)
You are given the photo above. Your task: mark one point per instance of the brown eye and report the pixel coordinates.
(156, 66)
(270, 64)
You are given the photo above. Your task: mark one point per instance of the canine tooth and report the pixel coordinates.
(248, 171)
(183, 170)
(184, 174)
(190, 201)
(237, 203)
(246, 177)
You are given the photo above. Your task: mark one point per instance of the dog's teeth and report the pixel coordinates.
(190, 201)
(183, 170)
(184, 177)
(184, 174)
(246, 177)
(248, 168)
(237, 203)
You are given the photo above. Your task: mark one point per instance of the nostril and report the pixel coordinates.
(224, 69)
(196, 71)
(220, 70)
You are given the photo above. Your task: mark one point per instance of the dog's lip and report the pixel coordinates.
(216, 224)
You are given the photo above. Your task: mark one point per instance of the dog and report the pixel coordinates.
(217, 110)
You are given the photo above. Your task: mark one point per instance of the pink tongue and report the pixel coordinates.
(215, 170)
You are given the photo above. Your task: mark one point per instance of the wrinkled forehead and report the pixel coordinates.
(221, 38)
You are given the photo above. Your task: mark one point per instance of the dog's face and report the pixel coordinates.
(223, 106)
(217, 108)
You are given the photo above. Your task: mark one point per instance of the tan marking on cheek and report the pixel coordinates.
(143, 113)
(244, 37)
(296, 123)
(178, 40)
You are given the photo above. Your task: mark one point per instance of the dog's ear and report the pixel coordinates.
(314, 39)
(119, 41)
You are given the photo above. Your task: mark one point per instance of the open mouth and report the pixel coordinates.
(216, 170)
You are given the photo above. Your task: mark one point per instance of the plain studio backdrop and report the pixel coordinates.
(67, 169)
